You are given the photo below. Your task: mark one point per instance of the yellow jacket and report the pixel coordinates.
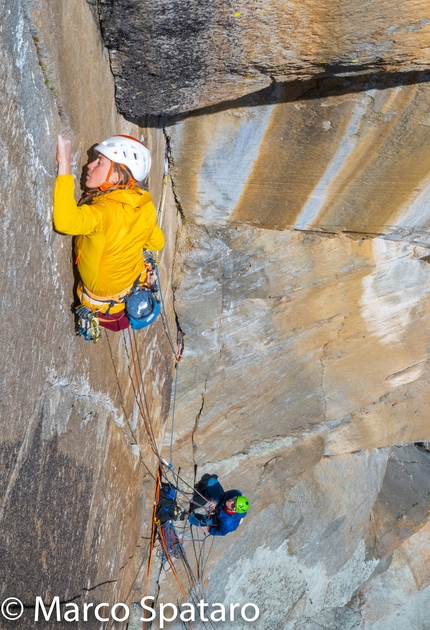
(111, 233)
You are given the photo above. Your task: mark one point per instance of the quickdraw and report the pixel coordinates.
(88, 325)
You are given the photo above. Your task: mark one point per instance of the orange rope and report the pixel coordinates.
(171, 563)
(153, 531)
(173, 568)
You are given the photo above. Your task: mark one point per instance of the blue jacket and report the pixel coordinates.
(226, 523)
(221, 523)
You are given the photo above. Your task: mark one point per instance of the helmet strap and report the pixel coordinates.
(107, 184)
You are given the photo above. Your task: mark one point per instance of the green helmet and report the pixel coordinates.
(242, 504)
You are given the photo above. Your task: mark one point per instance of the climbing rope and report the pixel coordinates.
(173, 546)
(153, 534)
(175, 387)
(140, 397)
(164, 186)
(171, 536)
(177, 352)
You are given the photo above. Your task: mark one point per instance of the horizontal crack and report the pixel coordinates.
(98, 585)
(62, 602)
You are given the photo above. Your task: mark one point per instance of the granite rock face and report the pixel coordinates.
(316, 557)
(74, 456)
(306, 359)
(349, 162)
(173, 57)
(301, 282)
(296, 334)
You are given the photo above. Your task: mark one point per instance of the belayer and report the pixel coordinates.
(226, 509)
(113, 222)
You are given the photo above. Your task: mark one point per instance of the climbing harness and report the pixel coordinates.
(139, 305)
(99, 303)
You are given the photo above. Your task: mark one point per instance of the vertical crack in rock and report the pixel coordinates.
(323, 361)
(356, 511)
(196, 424)
(158, 587)
(172, 167)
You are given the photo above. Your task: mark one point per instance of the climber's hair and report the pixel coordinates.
(125, 180)
(125, 176)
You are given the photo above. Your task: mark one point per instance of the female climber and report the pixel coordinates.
(114, 221)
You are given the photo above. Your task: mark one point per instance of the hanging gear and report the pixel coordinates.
(166, 508)
(88, 324)
(83, 311)
(151, 270)
(127, 151)
(142, 307)
(148, 257)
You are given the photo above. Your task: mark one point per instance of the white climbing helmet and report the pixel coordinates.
(128, 151)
